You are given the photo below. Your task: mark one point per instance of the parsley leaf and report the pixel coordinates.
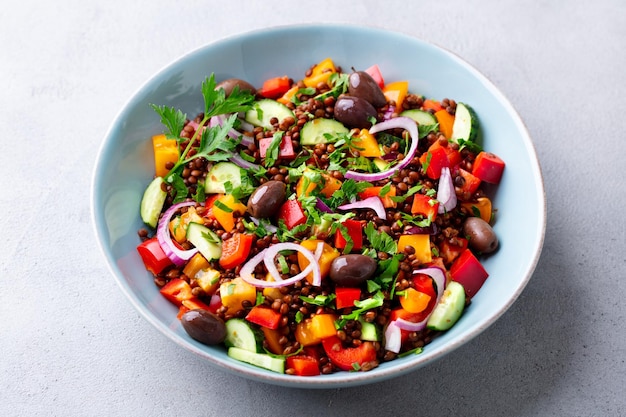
(173, 119)
(362, 306)
(380, 241)
(273, 150)
(216, 102)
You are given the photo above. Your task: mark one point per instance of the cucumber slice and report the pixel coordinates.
(465, 125)
(262, 360)
(369, 331)
(315, 131)
(152, 202)
(241, 335)
(262, 112)
(221, 173)
(420, 116)
(449, 309)
(205, 239)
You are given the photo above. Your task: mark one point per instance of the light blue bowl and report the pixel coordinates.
(125, 167)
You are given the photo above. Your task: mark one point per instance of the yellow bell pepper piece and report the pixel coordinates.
(195, 264)
(323, 325)
(178, 225)
(304, 333)
(365, 143)
(396, 91)
(414, 301)
(165, 150)
(208, 279)
(233, 293)
(286, 98)
(226, 218)
(421, 245)
(328, 187)
(328, 255)
(482, 205)
(271, 293)
(320, 73)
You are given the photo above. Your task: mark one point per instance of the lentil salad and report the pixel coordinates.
(325, 224)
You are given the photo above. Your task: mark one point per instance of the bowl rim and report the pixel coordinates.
(342, 379)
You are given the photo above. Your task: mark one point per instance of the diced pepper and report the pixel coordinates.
(424, 283)
(348, 359)
(292, 214)
(153, 256)
(430, 104)
(469, 272)
(323, 325)
(327, 187)
(421, 245)
(208, 279)
(454, 156)
(235, 250)
(208, 205)
(385, 198)
(272, 340)
(374, 72)
(224, 208)
(176, 290)
(289, 94)
(488, 167)
(304, 334)
(320, 73)
(396, 92)
(470, 182)
(195, 264)
(450, 252)
(194, 303)
(285, 150)
(425, 205)
(366, 144)
(264, 316)
(414, 301)
(303, 365)
(233, 293)
(346, 296)
(480, 208)
(271, 292)
(354, 232)
(434, 160)
(275, 87)
(178, 225)
(446, 121)
(165, 151)
(326, 259)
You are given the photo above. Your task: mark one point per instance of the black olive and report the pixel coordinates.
(354, 112)
(352, 270)
(481, 235)
(204, 326)
(265, 201)
(229, 84)
(362, 85)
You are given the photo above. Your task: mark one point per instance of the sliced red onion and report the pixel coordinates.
(245, 126)
(268, 227)
(389, 113)
(176, 255)
(373, 202)
(242, 163)
(323, 207)
(409, 325)
(396, 123)
(445, 193)
(233, 133)
(438, 275)
(393, 337)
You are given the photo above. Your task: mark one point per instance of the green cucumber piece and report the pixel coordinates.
(420, 116)
(449, 309)
(321, 130)
(219, 175)
(152, 202)
(205, 240)
(369, 331)
(262, 360)
(465, 127)
(241, 335)
(262, 112)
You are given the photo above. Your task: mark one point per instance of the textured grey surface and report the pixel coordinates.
(70, 342)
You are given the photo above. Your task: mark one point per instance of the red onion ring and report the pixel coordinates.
(242, 163)
(393, 337)
(398, 122)
(233, 133)
(323, 207)
(373, 202)
(177, 256)
(445, 193)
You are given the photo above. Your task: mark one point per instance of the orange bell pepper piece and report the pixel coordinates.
(233, 293)
(375, 192)
(275, 87)
(286, 98)
(421, 245)
(430, 104)
(365, 143)
(304, 334)
(396, 92)
(320, 73)
(235, 250)
(326, 259)
(446, 121)
(479, 208)
(414, 301)
(223, 209)
(323, 325)
(328, 187)
(165, 150)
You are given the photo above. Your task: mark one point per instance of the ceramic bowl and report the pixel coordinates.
(125, 166)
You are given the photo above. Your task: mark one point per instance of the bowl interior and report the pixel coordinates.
(125, 166)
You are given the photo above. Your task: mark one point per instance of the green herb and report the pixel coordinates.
(319, 300)
(339, 84)
(222, 206)
(260, 299)
(372, 286)
(415, 351)
(273, 150)
(424, 130)
(362, 306)
(409, 193)
(178, 185)
(216, 102)
(380, 241)
(475, 211)
(348, 192)
(173, 119)
(426, 163)
(243, 190)
(200, 195)
(472, 146)
(282, 262)
(418, 220)
(299, 317)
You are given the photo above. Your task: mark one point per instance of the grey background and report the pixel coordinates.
(71, 343)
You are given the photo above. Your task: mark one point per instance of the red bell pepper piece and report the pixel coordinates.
(264, 316)
(424, 205)
(469, 272)
(355, 233)
(285, 150)
(235, 250)
(153, 256)
(470, 182)
(433, 105)
(450, 252)
(434, 160)
(346, 296)
(208, 205)
(374, 72)
(176, 291)
(193, 303)
(454, 155)
(348, 359)
(275, 87)
(488, 167)
(303, 365)
(292, 214)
